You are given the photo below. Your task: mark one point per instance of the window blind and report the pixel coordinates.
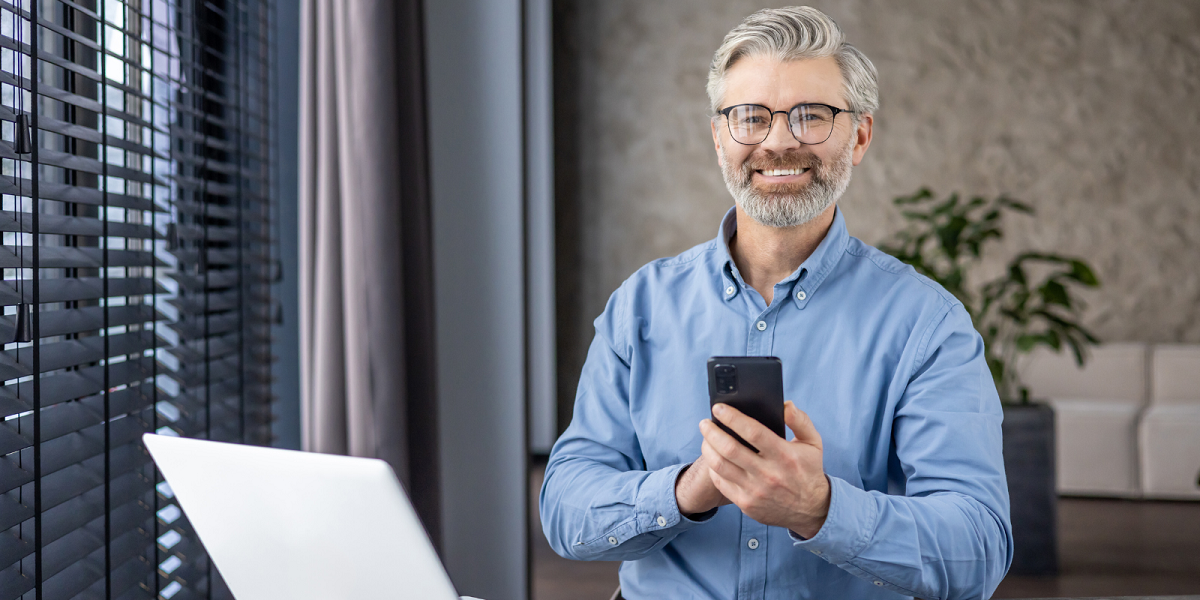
(137, 263)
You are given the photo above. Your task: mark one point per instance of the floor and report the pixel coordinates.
(1106, 548)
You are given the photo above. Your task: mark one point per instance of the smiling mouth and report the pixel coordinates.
(780, 172)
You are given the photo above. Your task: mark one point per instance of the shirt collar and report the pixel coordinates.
(806, 279)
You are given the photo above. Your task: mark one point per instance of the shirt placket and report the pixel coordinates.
(752, 544)
(762, 331)
(752, 574)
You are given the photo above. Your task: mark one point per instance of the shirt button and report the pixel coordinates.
(800, 295)
(879, 583)
(761, 325)
(729, 290)
(612, 540)
(753, 543)
(662, 521)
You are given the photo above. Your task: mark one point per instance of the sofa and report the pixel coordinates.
(1128, 423)
(1169, 431)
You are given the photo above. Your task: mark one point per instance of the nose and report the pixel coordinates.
(780, 138)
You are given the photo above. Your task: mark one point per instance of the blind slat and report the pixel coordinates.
(61, 257)
(163, 112)
(72, 289)
(68, 225)
(62, 192)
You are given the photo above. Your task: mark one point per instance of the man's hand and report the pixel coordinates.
(695, 492)
(784, 484)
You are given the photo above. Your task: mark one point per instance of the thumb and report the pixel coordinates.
(801, 425)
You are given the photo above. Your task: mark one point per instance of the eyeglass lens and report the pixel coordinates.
(810, 123)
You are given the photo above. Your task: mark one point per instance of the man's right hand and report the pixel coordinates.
(695, 492)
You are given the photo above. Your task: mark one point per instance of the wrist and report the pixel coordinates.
(682, 500)
(809, 524)
(688, 500)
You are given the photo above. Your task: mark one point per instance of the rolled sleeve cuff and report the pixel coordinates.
(847, 530)
(657, 509)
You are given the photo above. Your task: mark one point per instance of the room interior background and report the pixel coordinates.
(1081, 109)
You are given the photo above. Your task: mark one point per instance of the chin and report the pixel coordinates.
(775, 190)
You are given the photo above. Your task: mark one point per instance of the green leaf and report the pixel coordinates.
(1017, 273)
(996, 366)
(1077, 350)
(1087, 335)
(1015, 205)
(921, 195)
(1054, 292)
(950, 234)
(1027, 341)
(1053, 340)
(947, 206)
(1082, 273)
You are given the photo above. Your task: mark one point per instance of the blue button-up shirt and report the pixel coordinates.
(884, 361)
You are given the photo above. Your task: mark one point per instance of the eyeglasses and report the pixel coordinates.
(810, 124)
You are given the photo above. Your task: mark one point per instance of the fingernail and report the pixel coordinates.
(718, 409)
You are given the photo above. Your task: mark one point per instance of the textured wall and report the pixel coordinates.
(1090, 111)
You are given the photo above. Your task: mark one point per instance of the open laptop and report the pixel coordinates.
(298, 525)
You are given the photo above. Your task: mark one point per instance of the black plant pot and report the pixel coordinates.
(1029, 464)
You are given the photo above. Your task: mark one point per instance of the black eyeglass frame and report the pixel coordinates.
(836, 111)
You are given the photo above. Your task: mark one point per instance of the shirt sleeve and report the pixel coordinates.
(598, 502)
(949, 535)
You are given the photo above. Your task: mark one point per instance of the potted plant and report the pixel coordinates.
(1033, 303)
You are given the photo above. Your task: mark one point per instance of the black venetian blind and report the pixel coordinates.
(136, 222)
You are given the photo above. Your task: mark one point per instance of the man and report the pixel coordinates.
(890, 483)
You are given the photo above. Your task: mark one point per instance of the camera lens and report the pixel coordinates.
(726, 376)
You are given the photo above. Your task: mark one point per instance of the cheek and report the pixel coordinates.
(736, 156)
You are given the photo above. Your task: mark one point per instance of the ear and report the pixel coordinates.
(716, 133)
(862, 138)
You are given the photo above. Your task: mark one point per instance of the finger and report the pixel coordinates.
(750, 429)
(801, 425)
(715, 462)
(730, 490)
(727, 446)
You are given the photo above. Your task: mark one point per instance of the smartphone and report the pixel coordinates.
(751, 384)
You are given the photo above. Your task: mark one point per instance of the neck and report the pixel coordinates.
(767, 255)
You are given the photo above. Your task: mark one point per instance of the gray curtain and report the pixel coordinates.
(365, 283)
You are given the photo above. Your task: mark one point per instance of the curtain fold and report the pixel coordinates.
(365, 281)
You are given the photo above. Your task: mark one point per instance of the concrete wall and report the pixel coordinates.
(1090, 111)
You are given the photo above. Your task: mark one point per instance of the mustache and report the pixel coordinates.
(788, 160)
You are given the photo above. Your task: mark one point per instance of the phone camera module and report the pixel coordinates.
(726, 376)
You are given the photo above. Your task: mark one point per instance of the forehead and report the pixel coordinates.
(779, 84)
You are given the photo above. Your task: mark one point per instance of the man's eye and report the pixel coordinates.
(746, 121)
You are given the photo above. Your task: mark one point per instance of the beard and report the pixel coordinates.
(788, 204)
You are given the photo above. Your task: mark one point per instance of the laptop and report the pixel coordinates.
(299, 525)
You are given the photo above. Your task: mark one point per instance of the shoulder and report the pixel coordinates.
(896, 276)
(699, 260)
(664, 276)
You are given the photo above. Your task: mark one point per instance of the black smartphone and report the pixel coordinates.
(751, 384)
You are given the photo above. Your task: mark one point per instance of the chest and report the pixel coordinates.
(840, 368)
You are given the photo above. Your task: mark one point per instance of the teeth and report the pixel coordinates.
(780, 172)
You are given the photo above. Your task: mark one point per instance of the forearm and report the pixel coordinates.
(592, 511)
(943, 546)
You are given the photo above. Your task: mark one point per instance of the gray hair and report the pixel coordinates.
(792, 33)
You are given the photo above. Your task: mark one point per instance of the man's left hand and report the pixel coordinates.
(784, 484)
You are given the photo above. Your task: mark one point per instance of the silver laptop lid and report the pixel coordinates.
(298, 525)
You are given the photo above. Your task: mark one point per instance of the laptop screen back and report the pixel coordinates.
(298, 525)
